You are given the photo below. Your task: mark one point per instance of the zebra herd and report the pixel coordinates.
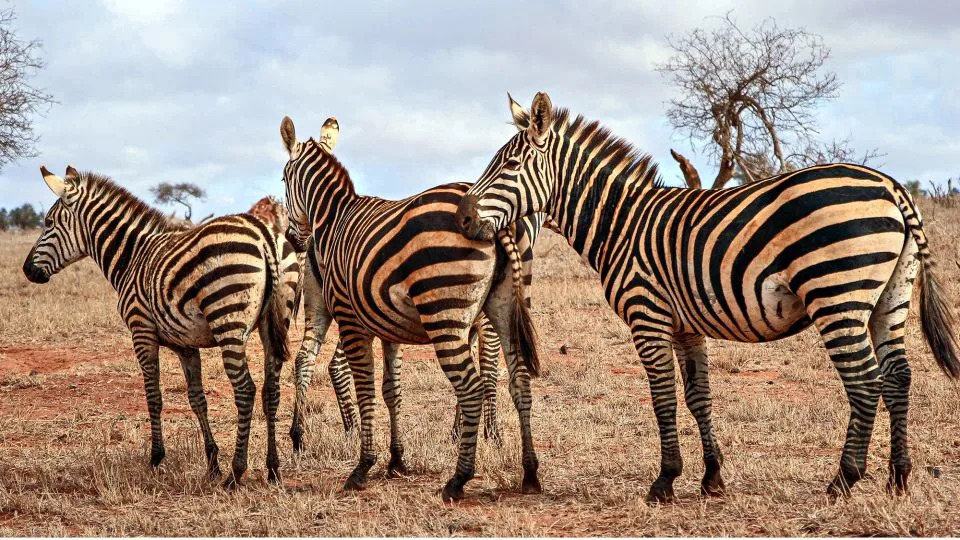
(835, 246)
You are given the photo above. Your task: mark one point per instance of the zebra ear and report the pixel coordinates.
(521, 118)
(54, 182)
(71, 172)
(330, 133)
(541, 117)
(289, 135)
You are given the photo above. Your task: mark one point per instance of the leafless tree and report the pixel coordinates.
(750, 97)
(166, 193)
(19, 100)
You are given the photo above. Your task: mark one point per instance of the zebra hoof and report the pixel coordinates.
(453, 491)
(297, 437)
(273, 476)
(713, 486)
(661, 495)
(156, 456)
(397, 468)
(355, 483)
(897, 481)
(531, 486)
(231, 483)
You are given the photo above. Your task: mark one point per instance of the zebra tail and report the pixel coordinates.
(524, 334)
(936, 315)
(278, 323)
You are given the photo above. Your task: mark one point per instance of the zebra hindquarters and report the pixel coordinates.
(842, 300)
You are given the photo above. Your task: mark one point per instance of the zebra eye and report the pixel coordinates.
(512, 163)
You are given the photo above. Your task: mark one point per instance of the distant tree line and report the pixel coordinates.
(23, 217)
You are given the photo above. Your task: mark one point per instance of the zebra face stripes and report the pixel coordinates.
(60, 245)
(834, 246)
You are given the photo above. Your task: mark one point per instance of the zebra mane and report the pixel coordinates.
(638, 167)
(337, 169)
(102, 186)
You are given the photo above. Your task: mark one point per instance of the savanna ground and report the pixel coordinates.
(74, 435)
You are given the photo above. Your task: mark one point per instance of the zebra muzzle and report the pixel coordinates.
(469, 222)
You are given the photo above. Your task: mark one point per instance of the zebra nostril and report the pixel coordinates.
(465, 221)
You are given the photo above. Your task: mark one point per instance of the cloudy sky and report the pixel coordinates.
(182, 91)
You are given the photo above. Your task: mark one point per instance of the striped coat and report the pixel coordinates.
(184, 289)
(400, 271)
(833, 246)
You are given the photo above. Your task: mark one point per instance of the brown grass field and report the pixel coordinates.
(74, 435)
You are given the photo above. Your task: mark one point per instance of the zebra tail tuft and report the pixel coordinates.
(524, 333)
(937, 321)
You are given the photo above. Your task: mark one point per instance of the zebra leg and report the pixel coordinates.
(392, 364)
(357, 348)
(148, 356)
(691, 352)
(656, 354)
(192, 371)
(887, 332)
(342, 379)
(457, 415)
(233, 351)
(453, 353)
(847, 341)
(489, 353)
(270, 398)
(316, 321)
(500, 314)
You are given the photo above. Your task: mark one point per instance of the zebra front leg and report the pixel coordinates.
(392, 364)
(342, 380)
(691, 352)
(453, 353)
(848, 344)
(192, 371)
(148, 356)
(233, 351)
(656, 354)
(357, 348)
(316, 323)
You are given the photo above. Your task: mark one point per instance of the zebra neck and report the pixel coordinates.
(326, 207)
(116, 239)
(594, 211)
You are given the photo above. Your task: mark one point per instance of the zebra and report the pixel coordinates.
(181, 288)
(400, 270)
(317, 319)
(837, 246)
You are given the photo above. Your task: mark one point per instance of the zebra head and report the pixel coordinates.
(517, 181)
(298, 170)
(61, 241)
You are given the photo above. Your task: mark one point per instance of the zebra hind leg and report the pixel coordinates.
(342, 380)
(192, 371)
(233, 351)
(887, 332)
(845, 335)
(691, 352)
(489, 354)
(270, 398)
(392, 396)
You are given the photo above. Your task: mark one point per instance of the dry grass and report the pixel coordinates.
(74, 437)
